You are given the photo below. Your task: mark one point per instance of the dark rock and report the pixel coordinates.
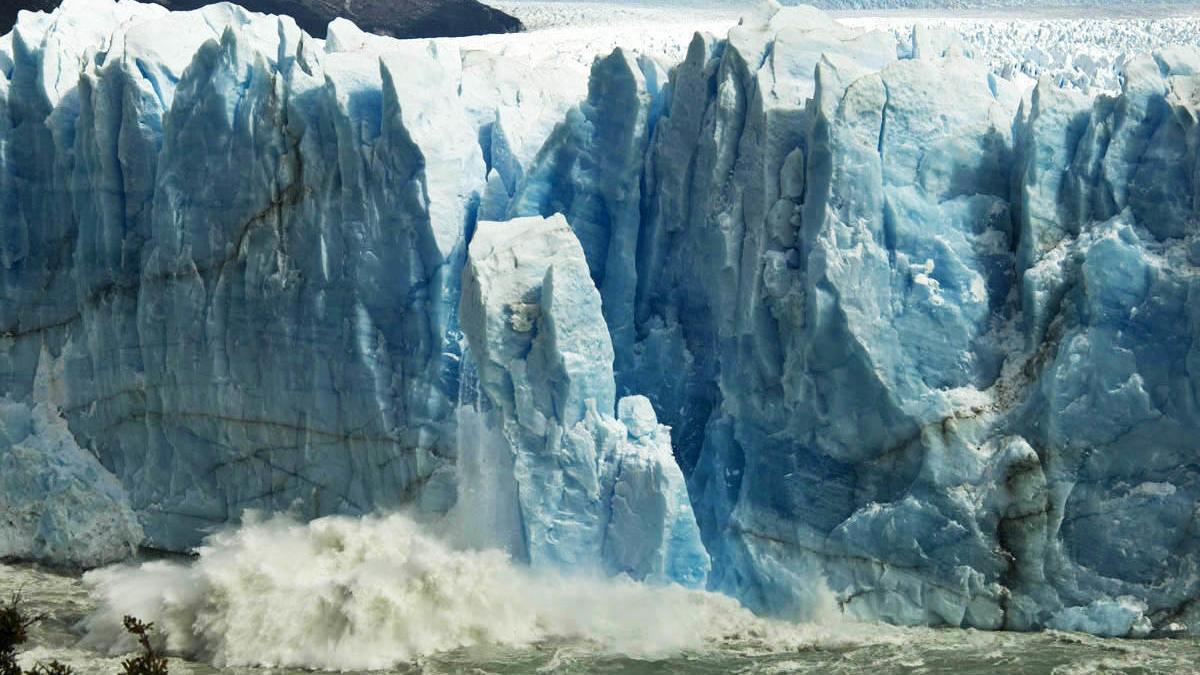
(397, 18)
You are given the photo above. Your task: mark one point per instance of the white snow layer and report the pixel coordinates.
(1082, 47)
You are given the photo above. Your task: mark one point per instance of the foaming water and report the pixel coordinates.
(740, 644)
(355, 594)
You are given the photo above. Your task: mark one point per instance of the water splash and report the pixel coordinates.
(759, 647)
(344, 593)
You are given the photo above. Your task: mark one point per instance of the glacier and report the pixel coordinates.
(583, 485)
(60, 506)
(814, 315)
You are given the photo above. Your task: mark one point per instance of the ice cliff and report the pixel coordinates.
(924, 339)
(58, 505)
(584, 485)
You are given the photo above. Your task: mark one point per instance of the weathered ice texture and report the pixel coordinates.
(925, 341)
(245, 252)
(952, 328)
(58, 505)
(593, 480)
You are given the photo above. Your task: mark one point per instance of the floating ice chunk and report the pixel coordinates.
(1123, 617)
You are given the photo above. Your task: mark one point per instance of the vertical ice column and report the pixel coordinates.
(591, 489)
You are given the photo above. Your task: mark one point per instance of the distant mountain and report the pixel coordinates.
(985, 4)
(397, 18)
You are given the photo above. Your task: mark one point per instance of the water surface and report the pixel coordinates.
(64, 599)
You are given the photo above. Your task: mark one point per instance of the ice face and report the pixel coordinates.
(60, 505)
(886, 312)
(257, 306)
(923, 337)
(594, 480)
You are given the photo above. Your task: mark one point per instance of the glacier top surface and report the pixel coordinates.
(1083, 47)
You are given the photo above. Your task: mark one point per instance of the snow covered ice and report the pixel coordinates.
(804, 314)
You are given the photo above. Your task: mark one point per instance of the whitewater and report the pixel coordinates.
(384, 594)
(341, 593)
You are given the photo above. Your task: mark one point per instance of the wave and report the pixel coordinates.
(344, 593)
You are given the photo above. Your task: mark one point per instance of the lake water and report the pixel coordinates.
(863, 649)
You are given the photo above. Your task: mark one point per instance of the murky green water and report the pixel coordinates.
(867, 650)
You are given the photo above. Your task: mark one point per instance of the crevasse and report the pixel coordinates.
(924, 340)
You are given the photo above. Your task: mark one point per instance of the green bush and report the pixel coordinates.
(52, 668)
(14, 631)
(149, 662)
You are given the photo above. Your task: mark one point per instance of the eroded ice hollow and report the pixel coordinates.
(925, 341)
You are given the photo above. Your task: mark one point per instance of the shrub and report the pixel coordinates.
(52, 668)
(148, 662)
(14, 631)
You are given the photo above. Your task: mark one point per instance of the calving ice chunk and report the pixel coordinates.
(593, 481)
(832, 319)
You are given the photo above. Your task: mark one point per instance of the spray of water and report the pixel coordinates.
(344, 593)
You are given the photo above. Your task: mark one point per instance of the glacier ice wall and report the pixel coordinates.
(245, 252)
(593, 481)
(924, 339)
(58, 505)
(949, 321)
